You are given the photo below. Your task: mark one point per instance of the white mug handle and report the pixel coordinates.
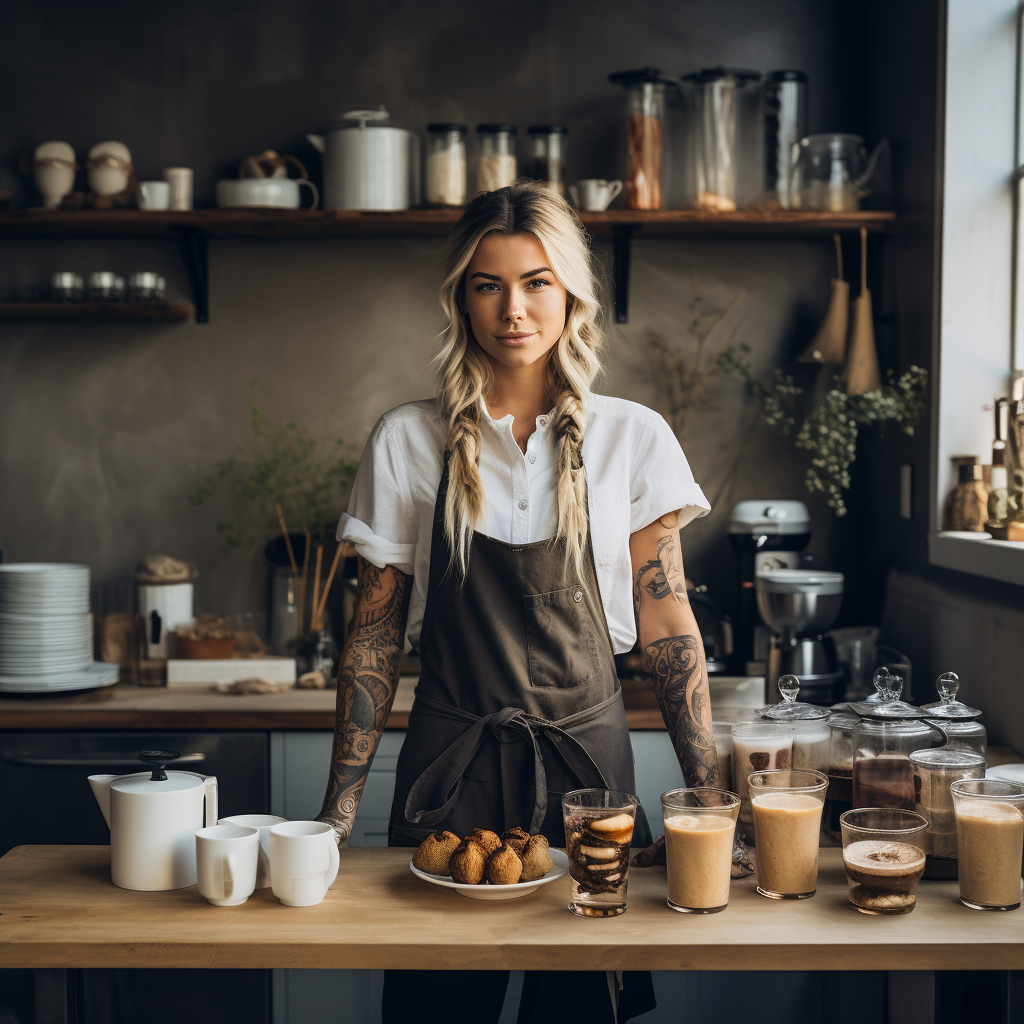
(614, 188)
(210, 792)
(229, 876)
(333, 862)
(316, 194)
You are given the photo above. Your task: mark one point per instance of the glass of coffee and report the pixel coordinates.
(598, 829)
(787, 804)
(700, 825)
(884, 854)
(990, 842)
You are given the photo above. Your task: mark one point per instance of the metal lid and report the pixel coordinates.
(764, 515)
(639, 77)
(547, 129)
(445, 126)
(786, 76)
(799, 581)
(789, 709)
(949, 707)
(947, 759)
(495, 127)
(716, 74)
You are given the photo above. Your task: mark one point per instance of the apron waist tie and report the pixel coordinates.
(445, 774)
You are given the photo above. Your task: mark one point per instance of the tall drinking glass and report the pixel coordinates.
(990, 842)
(787, 805)
(700, 825)
(598, 828)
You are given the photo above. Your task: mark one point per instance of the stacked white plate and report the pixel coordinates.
(46, 629)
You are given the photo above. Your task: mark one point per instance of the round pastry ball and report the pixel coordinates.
(504, 866)
(537, 860)
(434, 852)
(485, 838)
(517, 838)
(467, 863)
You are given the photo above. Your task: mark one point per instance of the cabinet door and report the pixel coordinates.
(657, 771)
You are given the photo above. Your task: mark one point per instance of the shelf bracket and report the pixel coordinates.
(622, 251)
(194, 250)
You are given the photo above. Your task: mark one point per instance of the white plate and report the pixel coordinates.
(1006, 772)
(99, 673)
(498, 892)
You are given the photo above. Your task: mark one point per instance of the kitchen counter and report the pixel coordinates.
(123, 706)
(58, 908)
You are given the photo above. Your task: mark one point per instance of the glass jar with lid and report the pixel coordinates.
(958, 721)
(446, 164)
(934, 772)
(496, 160)
(547, 154)
(882, 772)
(646, 145)
(810, 726)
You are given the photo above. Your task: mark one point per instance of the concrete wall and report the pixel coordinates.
(107, 427)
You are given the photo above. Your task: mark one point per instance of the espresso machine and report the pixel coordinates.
(799, 606)
(767, 534)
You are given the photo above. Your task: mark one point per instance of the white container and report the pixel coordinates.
(153, 824)
(164, 607)
(53, 170)
(109, 168)
(277, 193)
(182, 182)
(153, 195)
(369, 165)
(303, 861)
(209, 671)
(226, 859)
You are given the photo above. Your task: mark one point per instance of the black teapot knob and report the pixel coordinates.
(159, 759)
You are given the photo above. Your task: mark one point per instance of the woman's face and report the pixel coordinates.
(516, 304)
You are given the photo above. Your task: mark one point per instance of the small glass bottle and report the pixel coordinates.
(446, 164)
(646, 145)
(496, 164)
(547, 163)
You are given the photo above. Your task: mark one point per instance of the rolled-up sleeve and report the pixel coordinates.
(661, 480)
(380, 522)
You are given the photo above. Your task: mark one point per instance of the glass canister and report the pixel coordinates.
(934, 772)
(810, 726)
(722, 732)
(756, 747)
(840, 747)
(882, 772)
(446, 164)
(646, 144)
(958, 721)
(496, 162)
(547, 154)
(785, 123)
(714, 100)
(827, 172)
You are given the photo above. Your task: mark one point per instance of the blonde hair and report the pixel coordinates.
(464, 371)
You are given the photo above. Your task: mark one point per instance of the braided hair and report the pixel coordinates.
(464, 372)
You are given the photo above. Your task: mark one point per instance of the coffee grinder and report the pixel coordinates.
(799, 605)
(766, 535)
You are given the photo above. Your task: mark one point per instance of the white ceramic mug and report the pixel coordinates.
(262, 823)
(303, 861)
(226, 862)
(153, 195)
(282, 193)
(594, 193)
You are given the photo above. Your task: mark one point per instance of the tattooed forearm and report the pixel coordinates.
(680, 684)
(367, 679)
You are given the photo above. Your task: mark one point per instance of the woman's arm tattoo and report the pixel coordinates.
(367, 680)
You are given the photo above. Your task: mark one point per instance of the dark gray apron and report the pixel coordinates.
(518, 700)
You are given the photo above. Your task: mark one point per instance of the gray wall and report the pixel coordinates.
(108, 426)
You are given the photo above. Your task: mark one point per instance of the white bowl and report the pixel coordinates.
(498, 892)
(1006, 772)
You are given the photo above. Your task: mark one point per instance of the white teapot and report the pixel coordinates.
(153, 819)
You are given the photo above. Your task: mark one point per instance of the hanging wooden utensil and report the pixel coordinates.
(829, 344)
(861, 373)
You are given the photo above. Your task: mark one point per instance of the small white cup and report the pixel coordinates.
(153, 195)
(303, 861)
(226, 861)
(262, 823)
(180, 180)
(594, 193)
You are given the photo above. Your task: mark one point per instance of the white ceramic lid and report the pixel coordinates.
(769, 516)
(176, 782)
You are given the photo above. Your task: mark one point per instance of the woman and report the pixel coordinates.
(507, 523)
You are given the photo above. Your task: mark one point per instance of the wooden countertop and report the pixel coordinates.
(58, 908)
(124, 706)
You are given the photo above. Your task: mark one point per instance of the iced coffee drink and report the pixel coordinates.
(699, 828)
(990, 842)
(758, 747)
(598, 830)
(884, 856)
(787, 806)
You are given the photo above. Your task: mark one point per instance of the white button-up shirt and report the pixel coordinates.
(636, 472)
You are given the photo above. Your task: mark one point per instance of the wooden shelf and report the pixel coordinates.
(436, 223)
(95, 311)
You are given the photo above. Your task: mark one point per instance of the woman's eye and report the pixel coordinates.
(539, 281)
(487, 286)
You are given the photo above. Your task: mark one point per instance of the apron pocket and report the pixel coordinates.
(560, 639)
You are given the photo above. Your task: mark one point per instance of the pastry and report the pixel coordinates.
(504, 866)
(467, 863)
(434, 852)
(517, 838)
(485, 838)
(537, 860)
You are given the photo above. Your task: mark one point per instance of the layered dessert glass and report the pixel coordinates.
(598, 830)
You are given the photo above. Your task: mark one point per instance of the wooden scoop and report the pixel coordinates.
(829, 344)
